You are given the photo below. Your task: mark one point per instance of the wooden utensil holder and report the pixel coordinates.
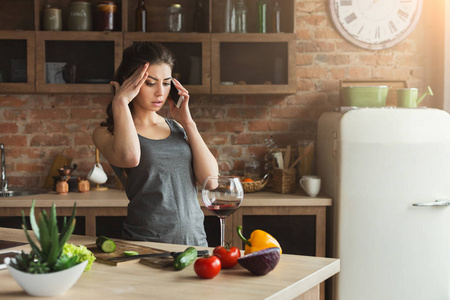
(284, 180)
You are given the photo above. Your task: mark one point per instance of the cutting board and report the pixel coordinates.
(105, 258)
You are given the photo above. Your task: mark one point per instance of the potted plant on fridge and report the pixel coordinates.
(52, 267)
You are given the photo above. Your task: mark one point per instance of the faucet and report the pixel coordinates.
(3, 180)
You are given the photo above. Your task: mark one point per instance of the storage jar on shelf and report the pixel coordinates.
(175, 18)
(106, 16)
(80, 16)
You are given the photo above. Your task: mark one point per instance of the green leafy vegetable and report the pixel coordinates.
(81, 253)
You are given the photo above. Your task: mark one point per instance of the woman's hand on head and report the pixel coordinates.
(182, 115)
(131, 86)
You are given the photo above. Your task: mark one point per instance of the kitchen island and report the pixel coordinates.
(295, 276)
(114, 203)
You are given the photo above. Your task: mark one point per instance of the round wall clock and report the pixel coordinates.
(375, 24)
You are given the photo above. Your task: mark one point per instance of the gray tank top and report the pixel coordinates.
(162, 191)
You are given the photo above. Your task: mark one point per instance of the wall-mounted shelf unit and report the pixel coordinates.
(209, 62)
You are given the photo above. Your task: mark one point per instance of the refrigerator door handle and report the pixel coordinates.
(435, 203)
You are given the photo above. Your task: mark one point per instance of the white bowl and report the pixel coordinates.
(49, 284)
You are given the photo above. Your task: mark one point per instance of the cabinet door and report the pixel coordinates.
(192, 53)
(77, 62)
(17, 61)
(253, 63)
(17, 15)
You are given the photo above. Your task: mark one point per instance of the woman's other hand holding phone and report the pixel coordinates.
(182, 115)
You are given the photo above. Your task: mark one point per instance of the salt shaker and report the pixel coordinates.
(175, 18)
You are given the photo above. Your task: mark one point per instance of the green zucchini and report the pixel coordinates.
(185, 259)
(105, 244)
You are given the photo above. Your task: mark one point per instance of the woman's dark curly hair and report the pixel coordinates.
(133, 57)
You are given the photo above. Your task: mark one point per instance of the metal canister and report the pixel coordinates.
(80, 16)
(175, 18)
(106, 16)
(52, 18)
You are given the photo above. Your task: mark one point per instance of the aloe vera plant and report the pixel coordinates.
(45, 257)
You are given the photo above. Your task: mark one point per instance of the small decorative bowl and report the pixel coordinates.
(254, 186)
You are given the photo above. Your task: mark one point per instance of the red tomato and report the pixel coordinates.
(228, 257)
(207, 266)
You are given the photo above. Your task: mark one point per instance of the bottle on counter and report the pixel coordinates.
(262, 16)
(276, 18)
(175, 18)
(141, 17)
(199, 18)
(106, 16)
(241, 17)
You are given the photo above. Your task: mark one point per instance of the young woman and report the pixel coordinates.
(158, 160)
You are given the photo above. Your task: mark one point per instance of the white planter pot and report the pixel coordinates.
(49, 284)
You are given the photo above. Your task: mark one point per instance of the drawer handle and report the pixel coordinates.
(435, 203)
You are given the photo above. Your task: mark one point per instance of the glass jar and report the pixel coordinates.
(80, 17)
(252, 169)
(175, 18)
(52, 18)
(241, 17)
(106, 16)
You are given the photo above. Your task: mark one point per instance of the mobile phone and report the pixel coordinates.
(173, 94)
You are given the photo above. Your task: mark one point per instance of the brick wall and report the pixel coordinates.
(35, 128)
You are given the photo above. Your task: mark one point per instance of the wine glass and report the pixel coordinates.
(222, 195)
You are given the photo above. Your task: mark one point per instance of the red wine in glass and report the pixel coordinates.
(223, 208)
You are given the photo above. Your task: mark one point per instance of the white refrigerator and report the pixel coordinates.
(388, 173)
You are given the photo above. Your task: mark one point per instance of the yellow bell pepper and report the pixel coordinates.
(258, 240)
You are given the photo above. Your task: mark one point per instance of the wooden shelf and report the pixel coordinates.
(265, 62)
(253, 63)
(95, 54)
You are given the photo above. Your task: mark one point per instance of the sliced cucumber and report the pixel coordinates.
(105, 244)
(130, 253)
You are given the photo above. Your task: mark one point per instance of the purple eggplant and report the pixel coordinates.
(261, 262)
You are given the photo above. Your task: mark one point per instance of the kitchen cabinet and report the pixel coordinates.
(209, 62)
(93, 56)
(253, 63)
(17, 61)
(95, 205)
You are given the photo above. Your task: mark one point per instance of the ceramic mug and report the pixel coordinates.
(407, 97)
(311, 185)
(97, 175)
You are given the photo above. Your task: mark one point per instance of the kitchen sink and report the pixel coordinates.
(14, 192)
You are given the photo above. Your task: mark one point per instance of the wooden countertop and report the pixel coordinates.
(295, 275)
(118, 198)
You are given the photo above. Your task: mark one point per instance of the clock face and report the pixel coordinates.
(375, 24)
